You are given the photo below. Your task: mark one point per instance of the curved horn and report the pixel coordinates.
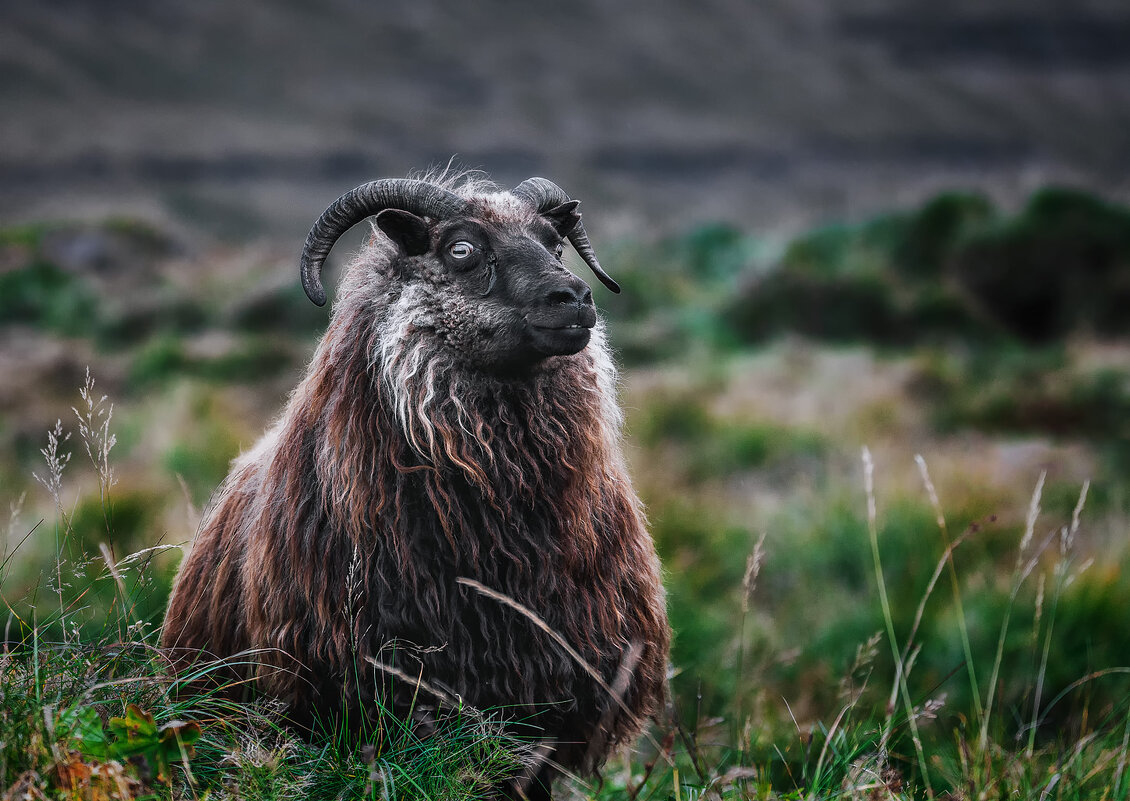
(417, 197)
(544, 195)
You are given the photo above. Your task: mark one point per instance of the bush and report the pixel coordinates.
(125, 521)
(839, 309)
(161, 358)
(1025, 391)
(881, 281)
(283, 309)
(1061, 266)
(43, 295)
(928, 239)
(953, 269)
(167, 357)
(135, 321)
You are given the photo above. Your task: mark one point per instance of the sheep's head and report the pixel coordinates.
(494, 266)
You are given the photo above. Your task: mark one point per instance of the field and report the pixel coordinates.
(887, 467)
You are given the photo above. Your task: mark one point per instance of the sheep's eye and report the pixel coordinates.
(461, 249)
(557, 251)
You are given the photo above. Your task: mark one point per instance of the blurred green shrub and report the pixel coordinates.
(704, 560)
(202, 456)
(125, 521)
(42, 294)
(46, 281)
(679, 417)
(129, 323)
(251, 360)
(955, 269)
(714, 254)
(248, 360)
(158, 359)
(882, 281)
(837, 309)
(1029, 391)
(1060, 266)
(710, 446)
(284, 309)
(672, 289)
(927, 240)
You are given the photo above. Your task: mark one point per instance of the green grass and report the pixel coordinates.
(831, 663)
(87, 719)
(90, 710)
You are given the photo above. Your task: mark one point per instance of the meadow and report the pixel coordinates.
(886, 465)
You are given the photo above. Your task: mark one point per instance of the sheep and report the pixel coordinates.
(447, 475)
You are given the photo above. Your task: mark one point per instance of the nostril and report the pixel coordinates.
(571, 291)
(560, 296)
(568, 295)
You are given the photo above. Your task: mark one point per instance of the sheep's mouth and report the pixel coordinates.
(570, 327)
(561, 332)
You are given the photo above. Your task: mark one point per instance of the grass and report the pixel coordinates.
(105, 720)
(888, 738)
(90, 709)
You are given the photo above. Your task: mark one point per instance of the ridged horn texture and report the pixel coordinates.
(418, 197)
(544, 195)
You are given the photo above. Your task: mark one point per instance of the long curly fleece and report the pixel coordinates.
(398, 467)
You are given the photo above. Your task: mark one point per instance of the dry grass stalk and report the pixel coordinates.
(562, 642)
(752, 569)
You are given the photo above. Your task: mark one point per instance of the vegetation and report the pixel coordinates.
(849, 622)
(954, 270)
(89, 709)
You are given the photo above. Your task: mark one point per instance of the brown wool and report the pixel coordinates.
(397, 467)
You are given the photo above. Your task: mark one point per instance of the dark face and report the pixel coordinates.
(510, 300)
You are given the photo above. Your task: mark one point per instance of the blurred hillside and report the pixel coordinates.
(239, 120)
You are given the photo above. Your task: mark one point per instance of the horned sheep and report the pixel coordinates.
(445, 495)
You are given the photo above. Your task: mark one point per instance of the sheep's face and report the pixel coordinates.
(496, 290)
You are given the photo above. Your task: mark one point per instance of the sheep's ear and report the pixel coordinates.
(409, 232)
(564, 218)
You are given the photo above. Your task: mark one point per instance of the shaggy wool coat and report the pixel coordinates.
(332, 551)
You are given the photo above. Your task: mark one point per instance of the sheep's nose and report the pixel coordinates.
(571, 291)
